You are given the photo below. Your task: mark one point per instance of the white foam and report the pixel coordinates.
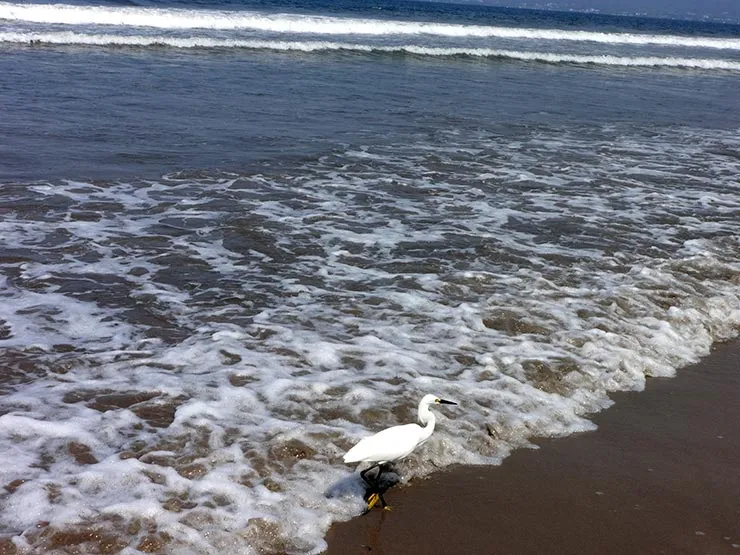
(69, 38)
(324, 25)
(46, 319)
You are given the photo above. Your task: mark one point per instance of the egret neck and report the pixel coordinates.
(427, 420)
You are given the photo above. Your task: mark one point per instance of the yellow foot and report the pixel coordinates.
(387, 508)
(372, 500)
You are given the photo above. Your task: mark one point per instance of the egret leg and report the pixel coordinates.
(368, 469)
(374, 493)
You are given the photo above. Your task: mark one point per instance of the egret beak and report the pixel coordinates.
(445, 402)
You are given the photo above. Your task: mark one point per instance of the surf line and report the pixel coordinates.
(325, 25)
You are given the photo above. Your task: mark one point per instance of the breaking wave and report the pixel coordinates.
(326, 25)
(68, 38)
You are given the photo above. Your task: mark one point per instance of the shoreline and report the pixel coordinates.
(659, 475)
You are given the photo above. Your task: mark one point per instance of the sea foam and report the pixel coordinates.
(324, 25)
(69, 38)
(241, 332)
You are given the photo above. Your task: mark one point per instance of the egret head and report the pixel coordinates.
(434, 399)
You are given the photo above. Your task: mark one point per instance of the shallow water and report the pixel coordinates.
(219, 277)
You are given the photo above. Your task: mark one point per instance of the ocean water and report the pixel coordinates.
(237, 237)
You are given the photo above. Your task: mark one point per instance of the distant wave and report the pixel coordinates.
(290, 23)
(69, 38)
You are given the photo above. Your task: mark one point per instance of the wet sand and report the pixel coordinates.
(660, 475)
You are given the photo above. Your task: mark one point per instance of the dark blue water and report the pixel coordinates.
(72, 112)
(106, 112)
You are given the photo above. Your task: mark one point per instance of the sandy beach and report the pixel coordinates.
(660, 475)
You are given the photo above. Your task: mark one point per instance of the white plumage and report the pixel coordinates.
(390, 444)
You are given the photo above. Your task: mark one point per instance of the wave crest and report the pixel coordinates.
(68, 38)
(325, 25)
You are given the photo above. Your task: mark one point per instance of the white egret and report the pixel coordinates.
(393, 444)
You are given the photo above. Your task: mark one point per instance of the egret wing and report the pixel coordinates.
(387, 445)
